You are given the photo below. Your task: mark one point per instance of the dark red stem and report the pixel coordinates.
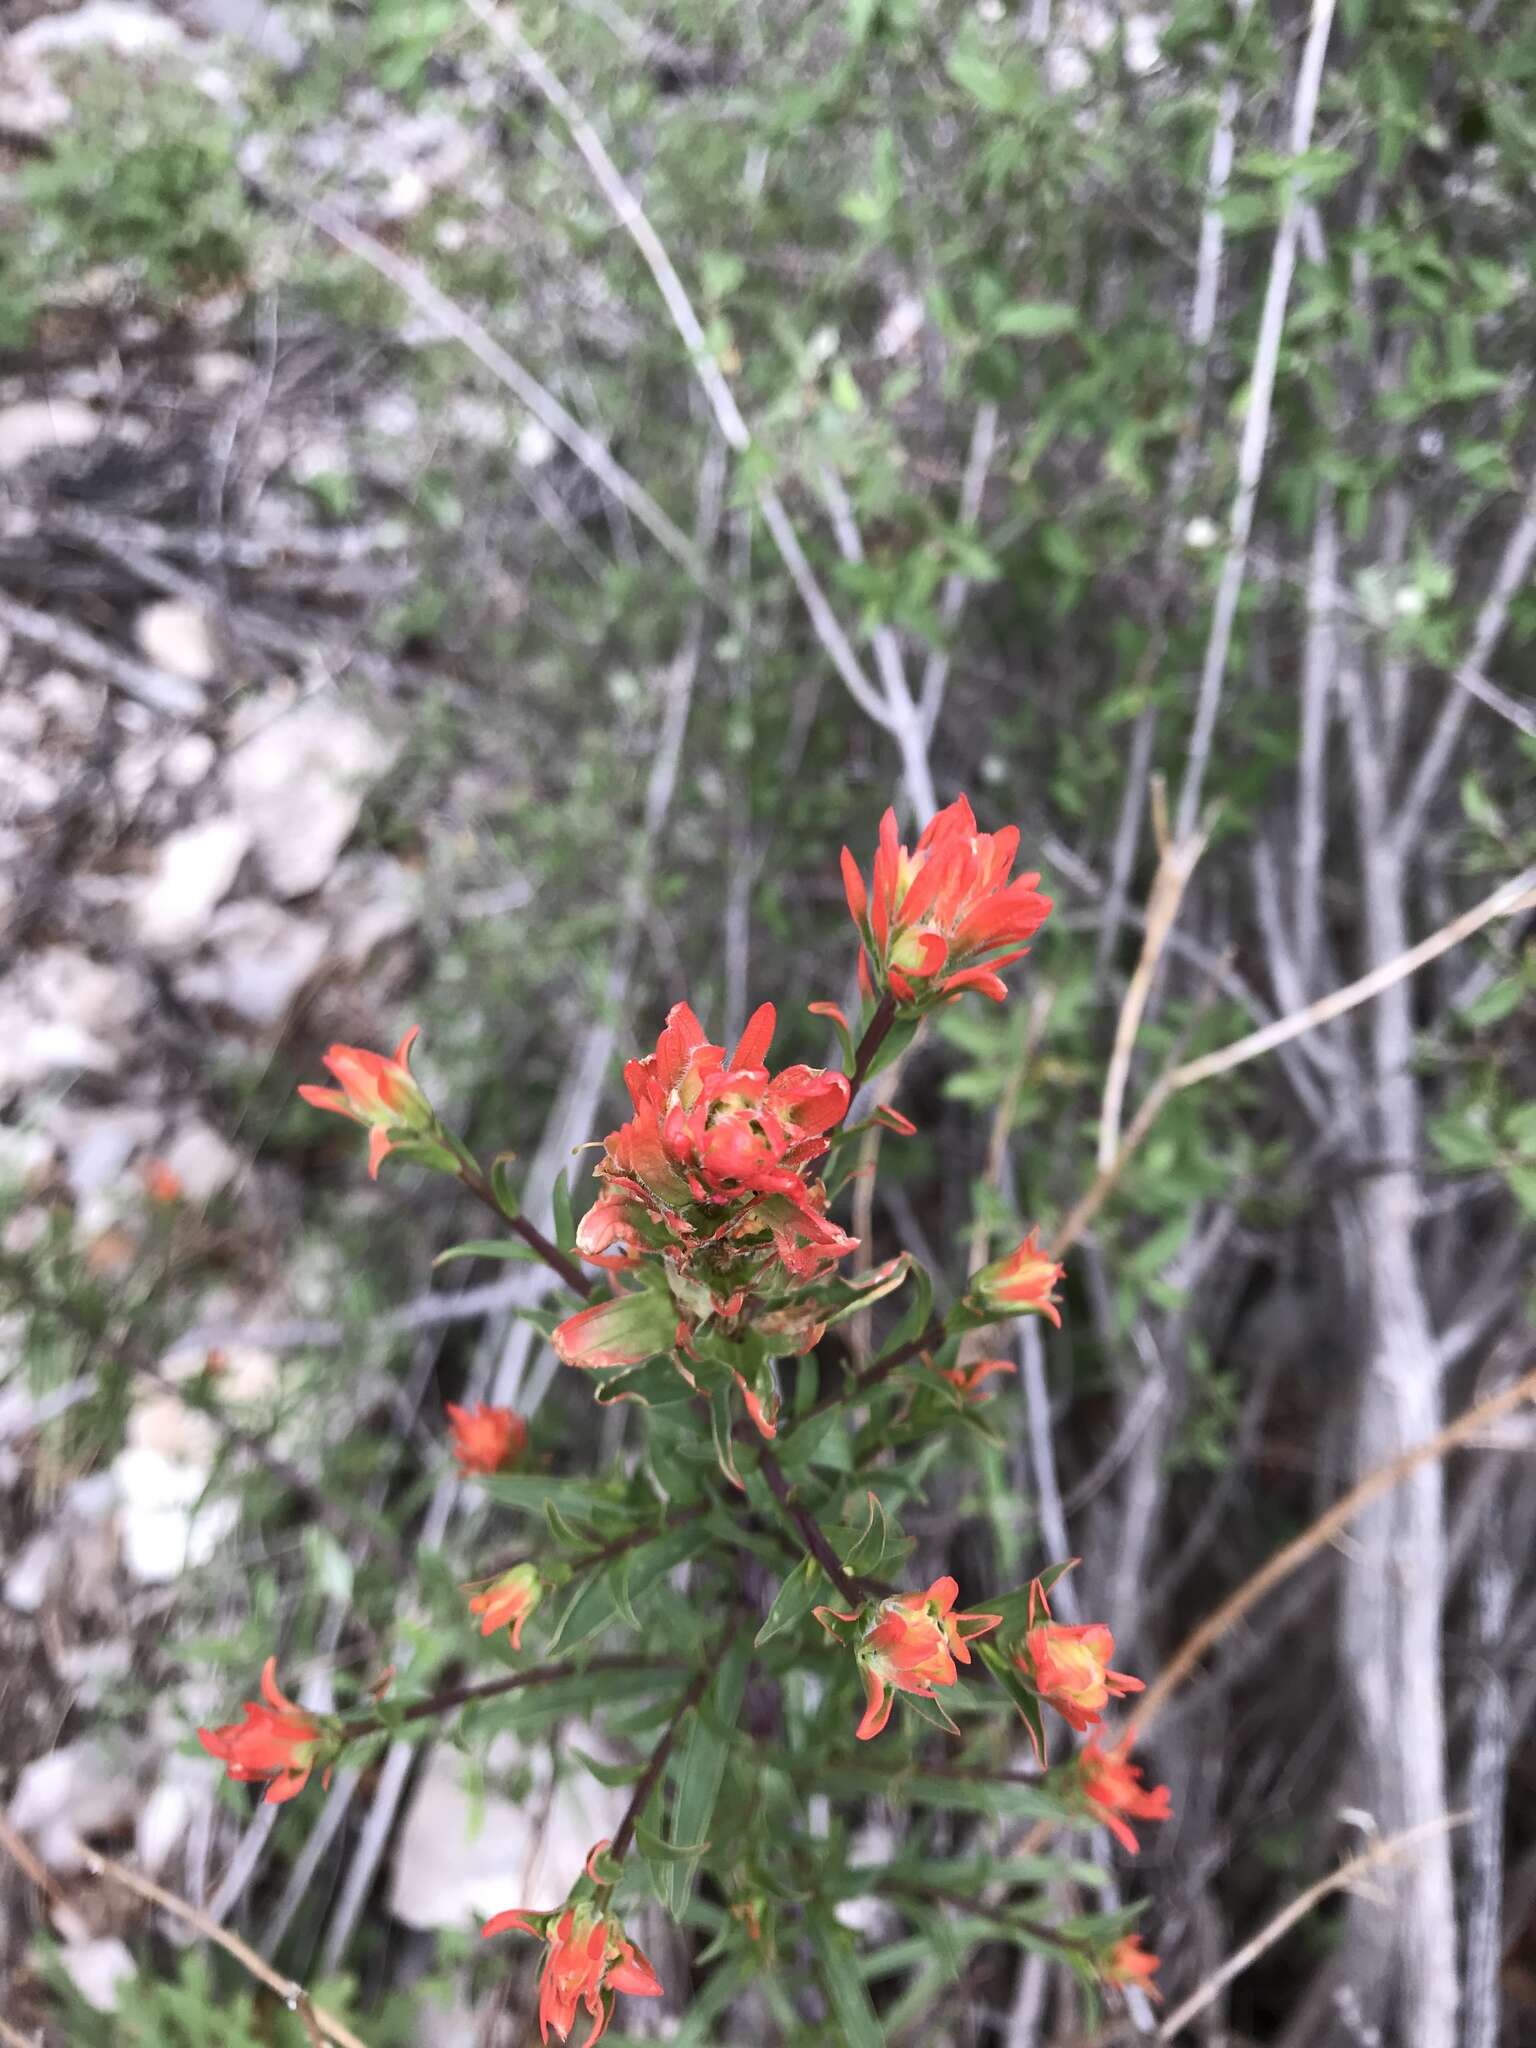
(531, 1235)
(650, 1777)
(453, 1697)
(871, 1042)
(807, 1528)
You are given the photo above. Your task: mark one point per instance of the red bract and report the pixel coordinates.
(1130, 1963)
(1114, 1785)
(1069, 1667)
(375, 1091)
(485, 1438)
(508, 1601)
(716, 1154)
(945, 917)
(912, 1644)
(967, 1379)
(590, 1960)
(1019, 1284)
(277, 1740)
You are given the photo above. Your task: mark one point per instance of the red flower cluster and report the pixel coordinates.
(1113, 1784)
(716, 1154)
(944, 918)
(276, 1740)
(911, 1644)
(590, 1960)
(508, 1601)
(378, 1092)
(485, 1438)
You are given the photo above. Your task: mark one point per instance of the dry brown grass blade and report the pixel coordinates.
(321, 2025)
(1322, 1531)
(1206, 1993)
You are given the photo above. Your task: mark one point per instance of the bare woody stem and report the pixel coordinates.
(605, 1553)
(650, 1777)
(874, 1037)
(532, 1236)
(454, 1697)
(807, 1528)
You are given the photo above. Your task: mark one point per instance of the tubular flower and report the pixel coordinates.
(378, 1092)
(590, 1961)
(967, 1379)
(1020, 1284)
(485, 1438)
(715, 1156)
(1113, 1784)
(945, 917)
(1069, 1667)
(1130, 1963)
(911, 1644)
(508, 1601)
(276, 1740)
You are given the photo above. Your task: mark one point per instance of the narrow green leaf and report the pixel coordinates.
(837, 1965)
(701, 1771)
(792, 1602)
(486, 1248)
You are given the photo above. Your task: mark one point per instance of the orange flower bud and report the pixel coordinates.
(1130, 1963)
(508, 1601)
(486, 1439)
(1020, 1284)
(945, 917)
(1069, 1668)
(276, 1740)
(1113, 1784)
(967, 1379)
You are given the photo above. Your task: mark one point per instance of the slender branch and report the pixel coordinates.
(1370, 1859)
(454, 1697)
(649, 1778)
(605, 1553)
(321, 2024)
(532, 1236)
(807, 1527)
(1328, 1525)
(874, 1037)
(452, 321)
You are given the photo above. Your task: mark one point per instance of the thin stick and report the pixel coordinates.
(1512, 896)
(152, 686)
(556, 1260)
(650, 1776)
(807, 1528)
(323, 2025)
(456, 325)
(1347, 1873)
(1176, 863)
(454, 1697)
(1328, 1525)
(1250, 461)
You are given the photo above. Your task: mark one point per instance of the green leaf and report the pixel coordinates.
(837, 1965)
(593, 1607)
(565, 1222)
(792, 1602)
(1037, 320)
(655, 1850)
(701, 1771)
(486, 1248)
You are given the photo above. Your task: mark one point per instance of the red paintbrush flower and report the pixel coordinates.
(1130, 1963)
(944, 917)
(378, 1092)
(590, 1960)
(1069, 1666)
(1020, 1284)
(967, 1379)
(486, 1438)
(1113, 1784)
(276, 1740)
(911, 1644)
(508, 1601)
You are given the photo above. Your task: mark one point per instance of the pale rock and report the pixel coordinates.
(299, 782)
(254, 23)
(136, 771)
(261, 957)
(34, 426)
(164, 1524)
(176, 636)
(62, 1012)
(31, 103)
(201, 1161)
(536, 445)
(99, 1143)
(6, 643)
(246, 1372)
(1144, 42)
(75, 707)
(33, 1571)
(189, 760)
(82, 1789)
(374, 899)
(460, 1857)
(320, 454)
(98, 1969)
(166, 1817)
(194, 871)
(21, 720)
(116, 25)
(27, 790)
(219, 370)
(93, 1671)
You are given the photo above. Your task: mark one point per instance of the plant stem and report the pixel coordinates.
(606, 1552)
(807, 1527)
(649, 1778)
(532, 1236)
(453, 1697)
(871, 1042)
